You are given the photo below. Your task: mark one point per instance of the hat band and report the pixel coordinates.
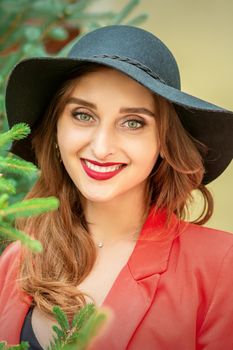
(134, 63)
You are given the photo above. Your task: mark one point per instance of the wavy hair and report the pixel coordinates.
(69, 253)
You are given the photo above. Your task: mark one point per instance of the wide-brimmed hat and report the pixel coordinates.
(141, 56)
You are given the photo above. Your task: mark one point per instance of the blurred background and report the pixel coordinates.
(198, 33)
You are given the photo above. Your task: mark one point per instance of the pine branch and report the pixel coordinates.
(61, 319)
(9, 231)
(89, 330)
(4, 200)
(126, 11)
(79, 6)
(85, 326)
(29, 207)
(81, 317)
(56, 343)
(17, 132)
(137, 20)
(7, 185)
(26, 208)
(16, 166)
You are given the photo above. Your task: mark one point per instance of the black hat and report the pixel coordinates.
(141, 56)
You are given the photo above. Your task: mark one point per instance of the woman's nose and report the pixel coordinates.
(103, 143)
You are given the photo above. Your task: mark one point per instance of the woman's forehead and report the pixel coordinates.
(110, 83)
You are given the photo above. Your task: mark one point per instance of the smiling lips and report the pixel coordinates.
(101, 171)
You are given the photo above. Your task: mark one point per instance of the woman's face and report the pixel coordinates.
(107, 135)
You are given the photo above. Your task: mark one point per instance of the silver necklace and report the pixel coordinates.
(100, 244)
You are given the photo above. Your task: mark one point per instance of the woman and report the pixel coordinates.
(122, 148)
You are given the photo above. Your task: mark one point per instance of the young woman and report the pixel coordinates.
(122, 148)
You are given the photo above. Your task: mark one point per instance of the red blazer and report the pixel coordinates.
(173, 294)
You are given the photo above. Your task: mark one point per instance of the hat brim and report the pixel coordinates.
(34, 81)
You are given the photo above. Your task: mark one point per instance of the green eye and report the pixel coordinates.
(83, 117)
(134, 124)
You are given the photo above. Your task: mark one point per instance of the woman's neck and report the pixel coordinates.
(116, 220)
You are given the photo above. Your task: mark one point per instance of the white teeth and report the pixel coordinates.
(102, 169)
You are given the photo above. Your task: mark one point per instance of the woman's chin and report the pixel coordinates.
(98, 197)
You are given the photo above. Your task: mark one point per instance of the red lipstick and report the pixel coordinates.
(98, 175)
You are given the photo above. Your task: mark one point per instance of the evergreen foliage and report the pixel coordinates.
(84, 326)
(9, 212)
(22, 346)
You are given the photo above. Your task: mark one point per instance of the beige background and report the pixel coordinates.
(199, 33)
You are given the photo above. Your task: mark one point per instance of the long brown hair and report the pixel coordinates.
(69, 253)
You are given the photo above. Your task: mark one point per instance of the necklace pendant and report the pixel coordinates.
(100, 244)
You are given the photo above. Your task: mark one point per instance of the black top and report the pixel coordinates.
(27, 333)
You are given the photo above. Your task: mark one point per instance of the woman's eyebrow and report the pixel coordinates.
(80, 101)
(139, 110)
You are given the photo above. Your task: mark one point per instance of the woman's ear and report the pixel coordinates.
(161, 154)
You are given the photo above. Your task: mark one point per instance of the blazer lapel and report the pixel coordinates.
(135, 287)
